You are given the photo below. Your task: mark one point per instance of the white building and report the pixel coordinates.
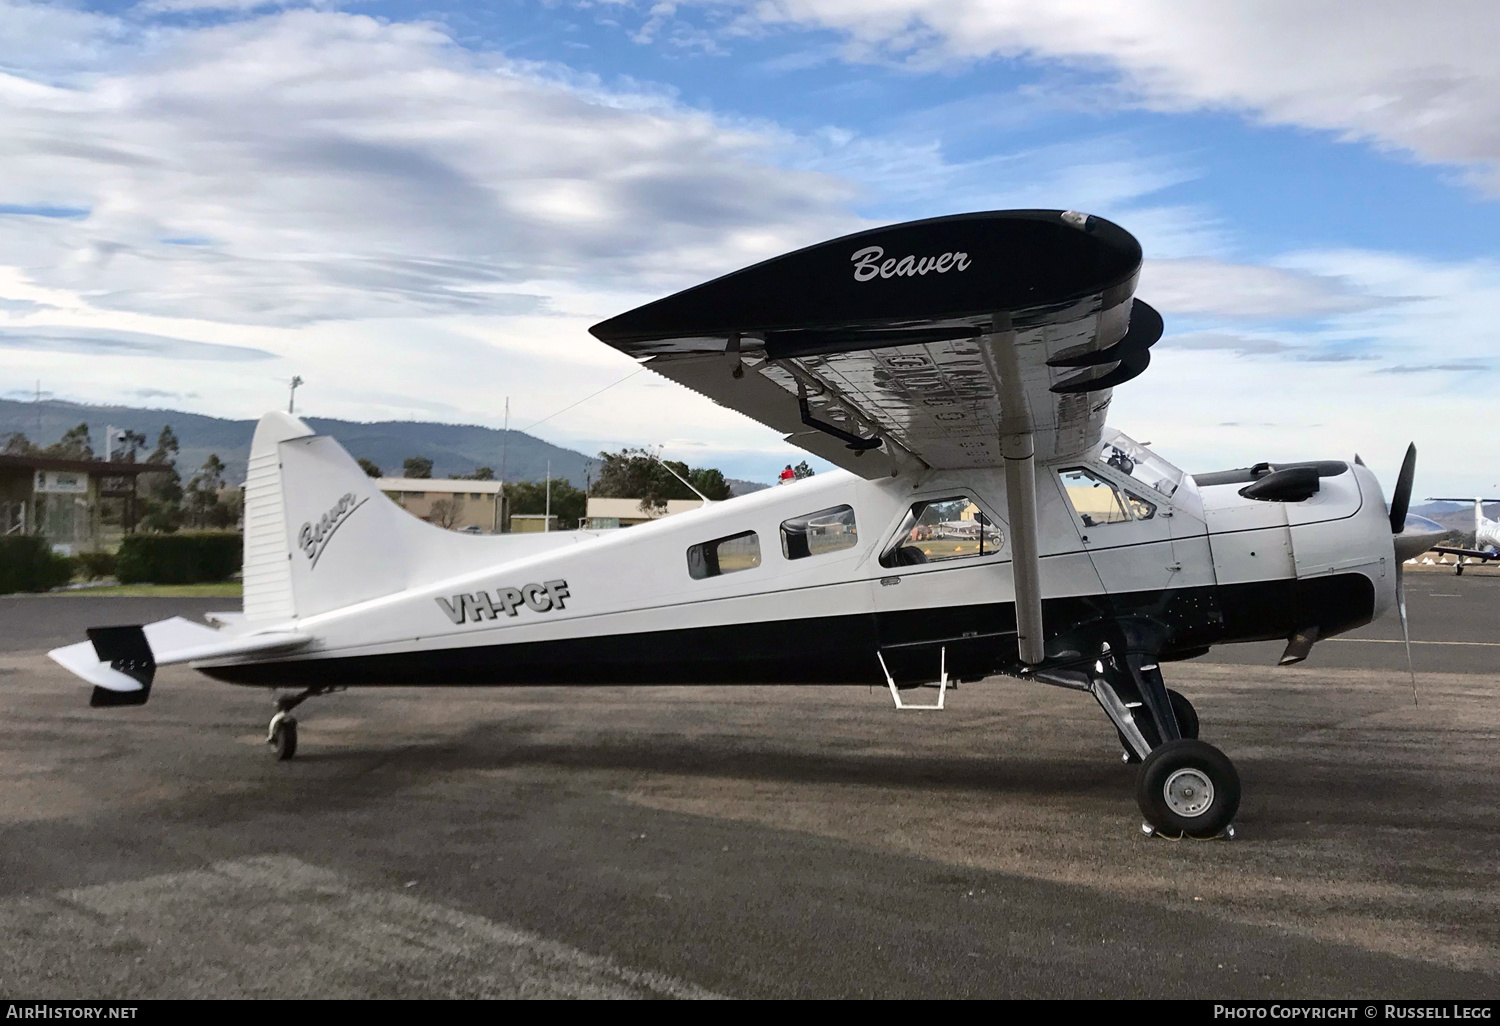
(608, 513)
(472, 506)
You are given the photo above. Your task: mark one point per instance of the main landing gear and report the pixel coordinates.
(281, 735)
(1185, 787)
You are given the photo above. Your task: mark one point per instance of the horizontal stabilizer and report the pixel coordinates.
(126, 654)
(121, 661)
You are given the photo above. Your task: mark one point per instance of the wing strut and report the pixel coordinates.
(1018, 446)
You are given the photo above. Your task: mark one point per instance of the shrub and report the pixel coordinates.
(94, 565)
(27, 563)
(188, 558)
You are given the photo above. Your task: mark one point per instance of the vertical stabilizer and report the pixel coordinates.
(268, 567)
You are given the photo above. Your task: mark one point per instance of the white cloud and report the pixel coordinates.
(1366, 378)
(105, 341)
(421, 231)
(331, 166)
(1420, 77)
(1188, 287)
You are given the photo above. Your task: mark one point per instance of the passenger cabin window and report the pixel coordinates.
(724, 555)
(943, 529)
(827, 530)
(1098, 502)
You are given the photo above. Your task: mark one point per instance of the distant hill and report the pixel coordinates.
(738, 487)
(1458, 518)
(453, 448)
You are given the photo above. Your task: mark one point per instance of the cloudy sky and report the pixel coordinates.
(420, 207)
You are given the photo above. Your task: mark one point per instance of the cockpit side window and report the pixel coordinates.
(1098, 501)
(941, 529)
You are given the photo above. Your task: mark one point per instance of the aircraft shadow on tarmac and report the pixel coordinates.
(1295, 793)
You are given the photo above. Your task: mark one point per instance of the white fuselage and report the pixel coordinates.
(525, 608)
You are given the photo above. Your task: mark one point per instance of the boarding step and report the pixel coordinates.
(941, 685)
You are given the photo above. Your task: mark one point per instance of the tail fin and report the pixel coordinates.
(319, 534)
(268, 570)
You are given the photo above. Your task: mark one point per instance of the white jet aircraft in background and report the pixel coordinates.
(985, 520)
(1486, 537)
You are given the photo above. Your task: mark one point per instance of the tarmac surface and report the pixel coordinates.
(752, 842)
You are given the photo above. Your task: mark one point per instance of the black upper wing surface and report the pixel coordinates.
(890, 334)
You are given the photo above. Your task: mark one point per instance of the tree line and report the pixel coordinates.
(163, 503)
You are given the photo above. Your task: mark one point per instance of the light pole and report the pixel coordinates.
(291, 403)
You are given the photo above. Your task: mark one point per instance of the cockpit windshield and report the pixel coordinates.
(1130, 457)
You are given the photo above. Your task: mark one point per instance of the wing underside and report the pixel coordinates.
(920, 368)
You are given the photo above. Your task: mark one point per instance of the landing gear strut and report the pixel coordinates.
(281, 735)
(1185, 787)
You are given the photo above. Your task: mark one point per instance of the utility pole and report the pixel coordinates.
(547, 511)
(504, 441)
(291, 403)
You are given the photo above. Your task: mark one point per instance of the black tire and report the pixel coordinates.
(1184, 767)
(1187, 723)
(284, 739)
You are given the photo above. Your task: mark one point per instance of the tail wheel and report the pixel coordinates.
(283, 739)
(1188, 787)
(1187, 723)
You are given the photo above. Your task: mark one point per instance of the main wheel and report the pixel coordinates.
(1187, 723)
(284, 739)
(1188, 787)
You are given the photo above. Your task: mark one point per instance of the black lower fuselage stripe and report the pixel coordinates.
(840, 649)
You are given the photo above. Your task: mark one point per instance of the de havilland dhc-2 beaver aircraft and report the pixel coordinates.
(984, 521)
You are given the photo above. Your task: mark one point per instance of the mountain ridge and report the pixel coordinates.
(453, 448)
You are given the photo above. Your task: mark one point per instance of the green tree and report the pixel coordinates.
(74, 445)
(638, 474)
(130, 443)
(483, 474)
(710, 482)
(163, 500)
(369, 467)
(569, 504)
(416, 466)
(802, 470)
(17, 444)
(202, 506)
(166, 447)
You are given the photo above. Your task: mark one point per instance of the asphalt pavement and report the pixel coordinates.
(748, 842)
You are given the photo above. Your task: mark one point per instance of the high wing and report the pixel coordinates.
(916, 345)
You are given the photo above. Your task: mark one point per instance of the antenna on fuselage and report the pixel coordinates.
(706, 500)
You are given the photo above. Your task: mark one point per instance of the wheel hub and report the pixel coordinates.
(1189, 792)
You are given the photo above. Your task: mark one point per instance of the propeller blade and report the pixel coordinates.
(1401, 497)
(1405, 630)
